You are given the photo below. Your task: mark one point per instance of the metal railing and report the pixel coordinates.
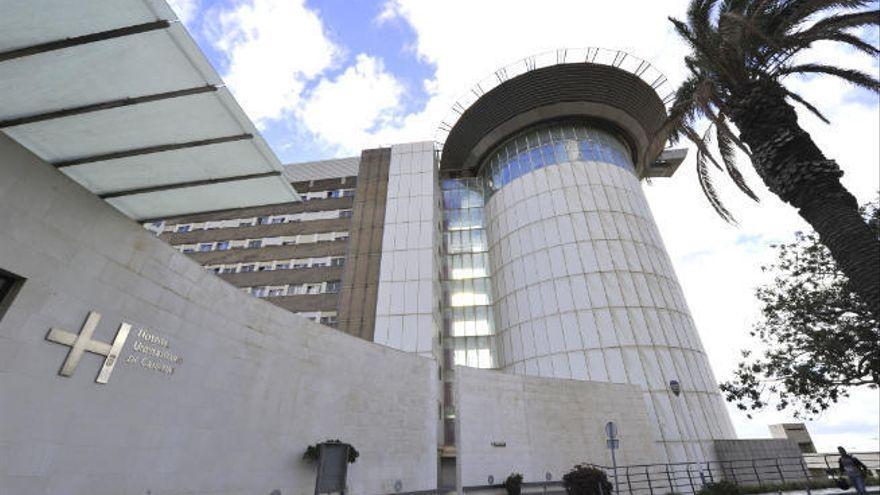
(804, 472)
(771, 474)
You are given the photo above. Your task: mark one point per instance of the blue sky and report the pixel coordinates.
(326, 78)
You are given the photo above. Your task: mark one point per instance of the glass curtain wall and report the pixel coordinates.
(468, 325)
(547, 145)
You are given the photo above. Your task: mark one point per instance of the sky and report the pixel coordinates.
(327, 78)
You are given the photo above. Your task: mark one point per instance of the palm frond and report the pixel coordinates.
(853, 76)
(705, 179)
(793, 13)
(846, 21)
(853, 41)
(728, 156)
(682, 112)
(809, 106)
(702, 144)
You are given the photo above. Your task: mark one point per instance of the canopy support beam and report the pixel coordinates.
(151, 149)
(184, 185)
(106, 105)
(82, 40)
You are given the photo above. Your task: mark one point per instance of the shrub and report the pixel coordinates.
(311, 453)
(586, 480)
(720, 488)
(513, 484)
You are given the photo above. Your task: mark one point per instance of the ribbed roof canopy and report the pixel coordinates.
(611, 88)
(118, 97)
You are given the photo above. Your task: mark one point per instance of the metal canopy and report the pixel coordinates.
(118, 96)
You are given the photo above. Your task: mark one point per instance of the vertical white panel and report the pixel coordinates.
(580, 270)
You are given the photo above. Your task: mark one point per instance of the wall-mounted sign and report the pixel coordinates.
(82, 342)
(149, 351)
(499, 444)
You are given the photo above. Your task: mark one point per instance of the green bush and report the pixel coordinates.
(311, 454)
(720, 488)
(513, 484)
(586, 480)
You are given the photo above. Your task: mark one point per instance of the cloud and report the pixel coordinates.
(345, 111)
(185, 9)
(274, 47)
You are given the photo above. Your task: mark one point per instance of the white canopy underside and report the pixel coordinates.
(173, 155)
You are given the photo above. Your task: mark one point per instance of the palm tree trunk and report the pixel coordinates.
(794, 168)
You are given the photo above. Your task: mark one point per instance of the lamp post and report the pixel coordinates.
(613, 443)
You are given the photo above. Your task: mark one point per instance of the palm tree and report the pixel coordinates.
(741, 50)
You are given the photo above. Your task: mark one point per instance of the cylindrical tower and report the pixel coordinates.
(582, 285)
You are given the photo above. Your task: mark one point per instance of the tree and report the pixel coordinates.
(820, 338)
(741, 51)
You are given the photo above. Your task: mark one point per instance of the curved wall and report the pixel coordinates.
(584, 289)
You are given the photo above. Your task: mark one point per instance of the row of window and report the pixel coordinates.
(265, 266)
(331, 287)
(545, 146)
(286, 240)
(328, 318)
(333, 193)
(305, 216)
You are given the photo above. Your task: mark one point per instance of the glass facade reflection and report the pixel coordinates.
(548, 145)
(468, 325)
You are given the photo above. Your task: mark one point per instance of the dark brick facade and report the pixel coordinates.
(360, 280)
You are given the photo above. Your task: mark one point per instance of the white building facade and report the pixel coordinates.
(550, 262)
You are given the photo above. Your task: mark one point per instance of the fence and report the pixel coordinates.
(765, 474)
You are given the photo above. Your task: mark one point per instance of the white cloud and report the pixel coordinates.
(343, 111)
(185, 9)
(274, 48)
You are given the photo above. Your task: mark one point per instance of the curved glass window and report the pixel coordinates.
(548, 145)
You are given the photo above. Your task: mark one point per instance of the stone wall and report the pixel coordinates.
(253, 386)
(512, 423)
(760, 461)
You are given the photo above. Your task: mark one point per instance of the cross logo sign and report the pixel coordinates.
(82, 342)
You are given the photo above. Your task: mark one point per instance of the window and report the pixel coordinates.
(222, 245)
(246, 223)
(183, 228)
(9, 285)
(337, 261)
(332, 194)
(344, 213)
(313, 288)
(216, 269)
(300, 265)
(256, 243)
(263, 268)
(259, 291)
(247, 268)
(282, 266)
(330, 321)
(332, 287)
(347, 193)
(275, 292)
(188, 250)
(263, 220)
(229, 269)
(278, 220)
(205, 247)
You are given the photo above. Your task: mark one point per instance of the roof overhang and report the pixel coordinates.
(608, 94)
(119, 98)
